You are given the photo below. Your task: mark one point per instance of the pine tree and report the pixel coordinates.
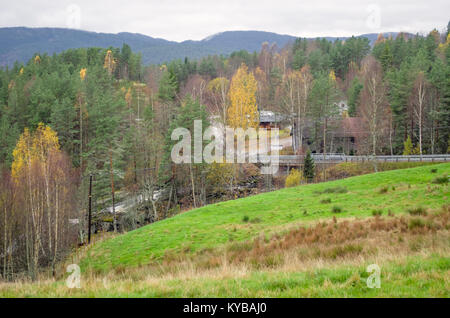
(168, 87)
(309, 167)
(386, 57)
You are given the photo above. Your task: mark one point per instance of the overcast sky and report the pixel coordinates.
(196, 19)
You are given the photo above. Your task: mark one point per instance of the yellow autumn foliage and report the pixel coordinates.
(216, 85)
(33, 147)
(332, 76)
(443, 46)
(294, 178)
(83, 74)
(128, 97)
(109, 63)
(243, 111)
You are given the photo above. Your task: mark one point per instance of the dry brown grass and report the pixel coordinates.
(327, 242)
(321, 245)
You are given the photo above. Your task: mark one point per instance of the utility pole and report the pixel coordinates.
(112, 190)
(203, 190)
(90, 209)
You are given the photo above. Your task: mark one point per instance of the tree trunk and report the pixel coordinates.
(55, 253)
(5, 245)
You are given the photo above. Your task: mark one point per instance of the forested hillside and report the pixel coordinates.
(99, 112)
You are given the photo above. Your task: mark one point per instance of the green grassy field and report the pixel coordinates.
(217, 224)
(287, 243)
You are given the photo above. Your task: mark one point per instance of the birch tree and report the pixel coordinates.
(418, 103)
(374, 106)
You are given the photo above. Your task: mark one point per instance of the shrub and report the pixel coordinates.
(434, 170)
(377, 212)
(384, 190)
(294, 179)
(417, 211)
(441, 180)
(408, 147)
(245, 219)
(326, 201)
(336, 209)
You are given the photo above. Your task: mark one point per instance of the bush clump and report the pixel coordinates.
(441, 180)
(417, 211)
(377, 212)
(336, 209)
(325, 201)
(384, 190)
(294, 178)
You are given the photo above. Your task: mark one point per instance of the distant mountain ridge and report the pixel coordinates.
(20, 43)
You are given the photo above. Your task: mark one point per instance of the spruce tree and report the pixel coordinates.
(309, 167)
(408, 147)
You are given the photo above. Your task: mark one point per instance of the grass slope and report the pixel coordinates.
(214, 225)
